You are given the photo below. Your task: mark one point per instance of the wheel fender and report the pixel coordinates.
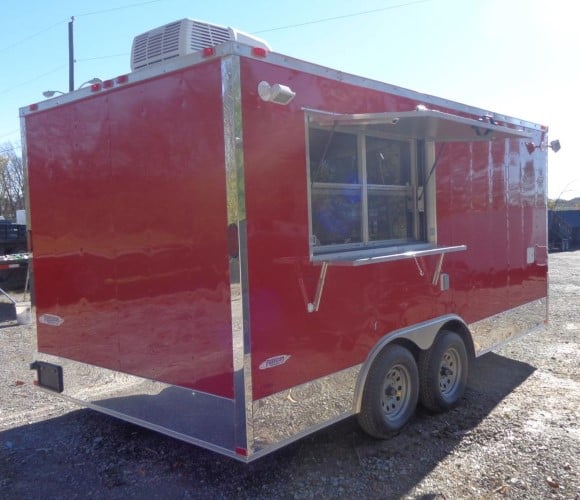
(421, 335)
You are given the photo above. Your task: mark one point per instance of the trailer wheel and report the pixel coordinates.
(443, 372)
(391, 392)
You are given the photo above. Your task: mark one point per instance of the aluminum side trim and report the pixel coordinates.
(193, 416)
(239, 276)
(495, 331)
(291, 414)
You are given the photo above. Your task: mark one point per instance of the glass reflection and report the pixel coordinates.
(336, 216)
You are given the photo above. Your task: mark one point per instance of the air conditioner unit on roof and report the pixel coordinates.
(181, 38)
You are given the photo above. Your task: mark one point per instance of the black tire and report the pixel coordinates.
(390, 394)
(443, 371)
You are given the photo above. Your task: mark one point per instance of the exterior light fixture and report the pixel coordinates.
(51, 93)
(92, 81)
(277, 93)
(554, 146)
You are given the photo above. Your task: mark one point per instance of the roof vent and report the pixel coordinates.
(181, 38)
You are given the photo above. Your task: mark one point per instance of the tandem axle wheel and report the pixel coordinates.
(396, 382)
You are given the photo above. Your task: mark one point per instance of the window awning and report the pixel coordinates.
(428, 125)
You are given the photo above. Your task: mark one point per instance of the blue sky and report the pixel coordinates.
(515, 57)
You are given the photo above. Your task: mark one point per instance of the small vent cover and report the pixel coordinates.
(181, 38)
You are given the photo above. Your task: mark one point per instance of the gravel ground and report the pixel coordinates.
(515, 435)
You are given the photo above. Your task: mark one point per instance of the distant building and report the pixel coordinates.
(564, 229)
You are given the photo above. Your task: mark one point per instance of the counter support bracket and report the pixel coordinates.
(313, 306)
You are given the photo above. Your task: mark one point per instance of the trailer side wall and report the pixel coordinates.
(486, 192)
(128, 213)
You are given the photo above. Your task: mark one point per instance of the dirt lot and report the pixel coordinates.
(515, 435)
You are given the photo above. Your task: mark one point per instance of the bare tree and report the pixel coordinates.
(11, 181)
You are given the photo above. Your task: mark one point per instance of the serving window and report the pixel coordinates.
(372, 181)
(363, 190)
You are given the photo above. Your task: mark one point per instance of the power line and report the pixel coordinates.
(326, 19)
(273, 29)
(15, 44)
(317, 21)
(123, 7)
(48, 28)
(18, 85)
(10, 150)
(10, 133)
(130, 6)
(102, 57)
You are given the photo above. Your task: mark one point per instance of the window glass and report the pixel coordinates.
(389, 218)
(363, 190)
(388, 161)
(333, 157)
(336, 216)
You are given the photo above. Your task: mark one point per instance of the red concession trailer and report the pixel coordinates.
(236, 248)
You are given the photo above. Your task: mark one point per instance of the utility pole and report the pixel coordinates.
(71, 56)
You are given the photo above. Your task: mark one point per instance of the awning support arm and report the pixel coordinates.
(435, 163)
(313, 306)
(438, 269)
(419, 268)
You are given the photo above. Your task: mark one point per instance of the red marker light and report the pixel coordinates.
(95, 87)
(107, 84)
(122, 79)
(259, 52)
(33, 107)
(208, 51)
(242, 451)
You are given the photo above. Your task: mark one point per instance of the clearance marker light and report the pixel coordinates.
(108, 84)
(208, 51)
(259, 52)
(95, 87)
(33, 107)
(122, 79)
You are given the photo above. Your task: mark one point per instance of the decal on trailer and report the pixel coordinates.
(51, 320)
(274, 361)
